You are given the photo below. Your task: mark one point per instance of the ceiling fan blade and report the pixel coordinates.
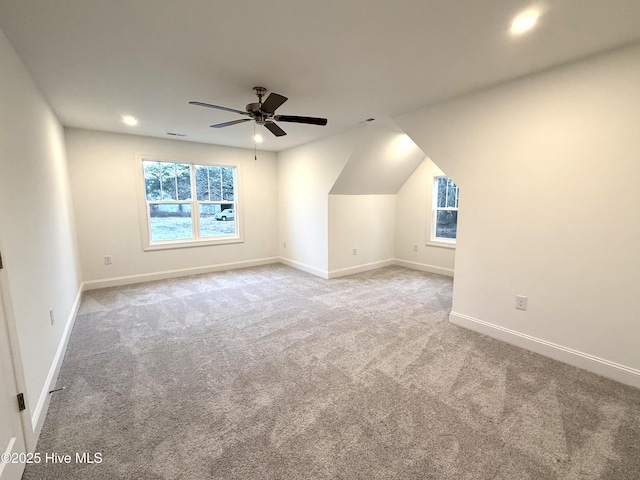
(295, 119)
(218, 107)
(275, 129)
(273, 101)
(232, 122)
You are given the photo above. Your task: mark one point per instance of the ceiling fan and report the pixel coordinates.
(264, 113)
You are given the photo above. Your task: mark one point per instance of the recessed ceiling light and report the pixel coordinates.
(129, 120)
(257, 138)
(524, 22)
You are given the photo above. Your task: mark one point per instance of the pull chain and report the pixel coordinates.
(255, 147)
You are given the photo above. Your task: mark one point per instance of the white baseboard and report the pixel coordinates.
(40, 410)
(424, 267)
(341, 272)
(365, 267)
(182, 272)
(304, 267)
(600, 366)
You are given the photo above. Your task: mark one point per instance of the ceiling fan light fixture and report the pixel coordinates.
(257, 138)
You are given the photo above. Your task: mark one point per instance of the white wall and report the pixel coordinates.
(106, 188)
(548, 168)
(36, 227)
(363, 222)
(306, 174)
(382, 161)
(321, 228)
(413, 224)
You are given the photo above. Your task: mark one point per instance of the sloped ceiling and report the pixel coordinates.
(385, 158)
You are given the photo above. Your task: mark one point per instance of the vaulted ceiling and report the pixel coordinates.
(347, 60)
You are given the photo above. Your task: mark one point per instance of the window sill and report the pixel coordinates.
(443, 244)
(191, 243)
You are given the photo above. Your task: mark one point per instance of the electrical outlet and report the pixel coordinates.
(415, 248)
(107, 259)
(521, 302)
(284, 244)
(355, 251)
(51, 316)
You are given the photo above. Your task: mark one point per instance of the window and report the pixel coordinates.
(188, 203)
(444, 220)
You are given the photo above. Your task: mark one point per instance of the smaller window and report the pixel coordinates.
(444, 218)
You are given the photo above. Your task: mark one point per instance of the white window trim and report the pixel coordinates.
(434, 241)
(143, 211)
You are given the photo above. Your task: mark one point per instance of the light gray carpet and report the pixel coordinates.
(271, 373)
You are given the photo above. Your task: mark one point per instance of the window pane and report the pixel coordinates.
(202, 182)
(183, 177)
(452, 195)
(442, 191)
(227, 183)
(170, 221)
(168, 181)
(446, 224)
(152, 176)
(216, 220)
(215, 183)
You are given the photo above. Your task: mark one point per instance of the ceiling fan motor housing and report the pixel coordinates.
(254, 108)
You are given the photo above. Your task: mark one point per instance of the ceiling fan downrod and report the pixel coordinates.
(260, 92)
